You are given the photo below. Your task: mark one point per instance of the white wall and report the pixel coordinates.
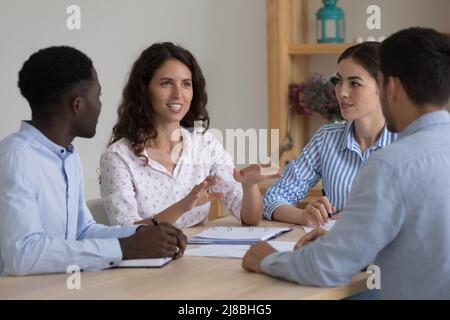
(395, 15)
(228, 38)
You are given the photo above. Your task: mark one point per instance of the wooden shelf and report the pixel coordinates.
(317, 48)
(288, 52)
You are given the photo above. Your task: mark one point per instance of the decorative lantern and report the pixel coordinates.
(330, 23)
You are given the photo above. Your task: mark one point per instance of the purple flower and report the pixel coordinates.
(315, 95)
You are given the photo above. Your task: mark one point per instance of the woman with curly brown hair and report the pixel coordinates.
(159, 167)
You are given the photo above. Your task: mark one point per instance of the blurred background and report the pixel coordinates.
(228, 37)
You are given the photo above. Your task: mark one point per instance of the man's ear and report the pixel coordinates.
(400, 91)
(391, 89)
(77, 105)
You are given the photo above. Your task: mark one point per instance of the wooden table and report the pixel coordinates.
(186, 278)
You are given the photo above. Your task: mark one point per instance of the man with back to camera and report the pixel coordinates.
(45, 225)
(399, 210)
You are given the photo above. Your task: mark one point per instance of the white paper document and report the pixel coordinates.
(327, 226)
(144, 263)
(232, 250)
(237, 235)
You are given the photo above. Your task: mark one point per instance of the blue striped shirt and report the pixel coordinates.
(333, 155)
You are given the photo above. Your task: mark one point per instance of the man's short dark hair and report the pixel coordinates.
(51, 72)
(420, 58)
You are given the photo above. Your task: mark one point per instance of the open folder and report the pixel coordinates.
(237, 235)
(144, 263)
(233, 251)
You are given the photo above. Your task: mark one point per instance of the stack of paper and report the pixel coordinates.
(237, 235)
(326, 226)
(233, 251)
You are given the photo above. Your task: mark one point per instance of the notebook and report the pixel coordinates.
(233, 251)
(237, 235)
(144, 263)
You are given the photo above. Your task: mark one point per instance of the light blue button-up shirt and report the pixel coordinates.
(333, 155)
(398, 216)
(45, 226)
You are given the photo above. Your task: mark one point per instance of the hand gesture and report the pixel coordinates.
(202, 194)
(256, 173)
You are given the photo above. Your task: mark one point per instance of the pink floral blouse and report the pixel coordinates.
(131, 192)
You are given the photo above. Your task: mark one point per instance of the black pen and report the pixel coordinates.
(330, 215)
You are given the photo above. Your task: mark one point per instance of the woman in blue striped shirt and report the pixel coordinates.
(336, 151)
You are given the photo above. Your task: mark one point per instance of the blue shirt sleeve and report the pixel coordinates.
(299, 176)
(372, 220)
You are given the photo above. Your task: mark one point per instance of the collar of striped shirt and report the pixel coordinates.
(349, 142)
